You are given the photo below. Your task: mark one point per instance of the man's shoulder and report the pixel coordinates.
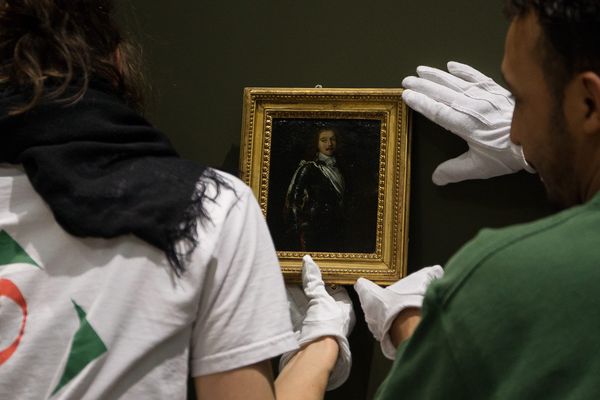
(516, 297)
(307, 164)
(543, 247)
(306, 169)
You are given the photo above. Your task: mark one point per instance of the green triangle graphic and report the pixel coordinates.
(86, 347)
(12, 253)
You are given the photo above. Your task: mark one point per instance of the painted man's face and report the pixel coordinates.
(327, 142)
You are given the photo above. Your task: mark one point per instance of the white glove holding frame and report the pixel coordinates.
(318, 311)
(477, 109)
(381, 306)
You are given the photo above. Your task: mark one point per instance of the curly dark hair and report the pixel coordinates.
(571, 36)
(54, 48)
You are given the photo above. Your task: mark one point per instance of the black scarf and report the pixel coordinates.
(105, 171)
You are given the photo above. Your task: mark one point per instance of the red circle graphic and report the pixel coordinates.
(10, 290)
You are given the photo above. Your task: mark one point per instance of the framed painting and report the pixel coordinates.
(330, 169)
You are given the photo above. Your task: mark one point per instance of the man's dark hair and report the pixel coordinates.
(571, 36)
(54, 48)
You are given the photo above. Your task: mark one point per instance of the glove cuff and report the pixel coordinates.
(387, 348)
(343, 365)
(517, 152)
(311, 332)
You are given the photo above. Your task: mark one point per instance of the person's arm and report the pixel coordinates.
(246, 383)
(322, 318)
(404, 325)
(304, 377)
(427, 366)
(319, 311)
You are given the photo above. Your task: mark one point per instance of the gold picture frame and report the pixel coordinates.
(371, 153)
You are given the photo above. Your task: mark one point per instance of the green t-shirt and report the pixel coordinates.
(516, 316)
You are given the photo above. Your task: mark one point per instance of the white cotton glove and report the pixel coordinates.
(319, 311)
(381, 306)
(477, 109)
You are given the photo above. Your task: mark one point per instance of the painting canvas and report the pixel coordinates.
(323, 182)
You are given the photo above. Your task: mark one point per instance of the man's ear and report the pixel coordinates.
(590, 99)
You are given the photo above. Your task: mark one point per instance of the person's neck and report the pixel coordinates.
(589, 174)
(593, 185)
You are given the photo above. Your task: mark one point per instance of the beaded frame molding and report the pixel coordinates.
(373, 126)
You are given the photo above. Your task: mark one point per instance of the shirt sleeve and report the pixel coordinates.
(243, 317)
(425, 366)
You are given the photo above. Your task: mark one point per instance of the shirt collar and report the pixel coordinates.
(327, 160)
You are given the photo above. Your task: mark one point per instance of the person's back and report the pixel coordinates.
(108, 318)
(124, 269)
(515, 316)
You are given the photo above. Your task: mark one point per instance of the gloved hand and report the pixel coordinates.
(381, 306)
(318, 311)
(474, 107)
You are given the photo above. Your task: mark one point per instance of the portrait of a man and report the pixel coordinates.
(323, 184)
(314, 204)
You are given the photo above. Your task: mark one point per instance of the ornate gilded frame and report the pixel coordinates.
(387, 263)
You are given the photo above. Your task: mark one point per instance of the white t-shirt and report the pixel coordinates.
(105, 319)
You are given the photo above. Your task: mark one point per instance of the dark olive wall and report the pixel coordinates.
(200, 55)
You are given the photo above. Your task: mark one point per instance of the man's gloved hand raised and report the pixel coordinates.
(474, 107)
(318, 311)
(382, 306)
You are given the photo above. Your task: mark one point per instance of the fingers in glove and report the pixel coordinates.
(473, 164)
(433, 90)
(466, 72)
(312, 279)
(480, 107)
(470, 74)
(443, 78)
(365, 287)
(431, 273)
(439, 113)
(457, 169)
(373, 307)
(417, 282)
(487, 91)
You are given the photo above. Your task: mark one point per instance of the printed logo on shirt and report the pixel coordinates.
(86, 344)
(9, 290)
(12, 253)
(85, 348)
